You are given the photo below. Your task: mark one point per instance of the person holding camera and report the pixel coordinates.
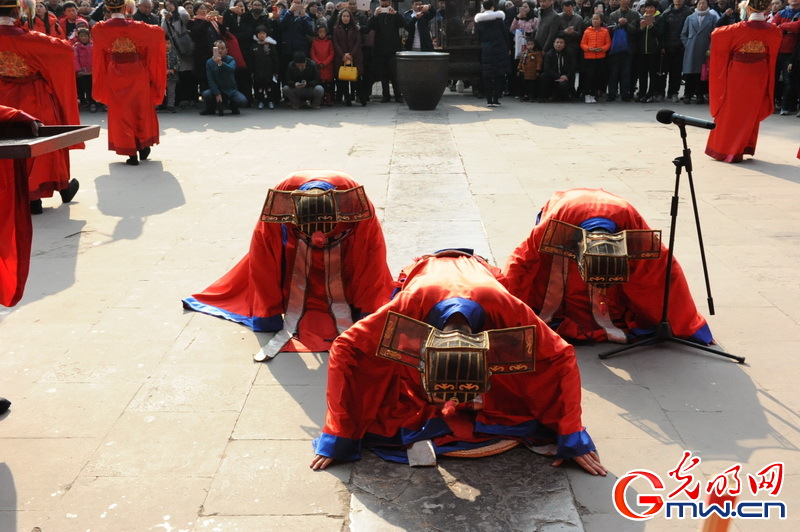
(417, 25)
(302, 82)
(297, 30)
(222, 88)
(386, 23)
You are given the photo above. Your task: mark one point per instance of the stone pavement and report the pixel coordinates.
(131, 414)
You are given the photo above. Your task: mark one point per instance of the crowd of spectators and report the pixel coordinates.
(595, 50)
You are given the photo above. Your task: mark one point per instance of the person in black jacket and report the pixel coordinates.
(386, 23)
(264, 65)
(302, 82)
(669, 27)
(417, 24)
(649, 56)
(495, 59)
(557, 81)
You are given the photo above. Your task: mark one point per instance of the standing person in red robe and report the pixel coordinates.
(36, 76)
(317, 262)
(553, 286)
(741, 82)
(530, 393)
(16, 229)
(130, 77)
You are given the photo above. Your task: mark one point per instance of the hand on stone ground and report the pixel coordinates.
(320, 462)
(590, 462)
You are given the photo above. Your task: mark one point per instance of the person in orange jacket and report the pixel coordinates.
(595, 44)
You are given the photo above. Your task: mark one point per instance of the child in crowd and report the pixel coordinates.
(173, 68)
(322, 54)
(83, 68)
(265, 68)
(72, 38)
(530, 66)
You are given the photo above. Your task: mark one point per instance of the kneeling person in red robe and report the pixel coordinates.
(583, 304)
(494, 375)
(317, 262)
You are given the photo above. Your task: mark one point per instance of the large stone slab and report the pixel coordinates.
(516, 490)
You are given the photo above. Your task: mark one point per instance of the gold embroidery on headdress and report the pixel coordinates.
(13, 65)
(753, 47)
(123, 45)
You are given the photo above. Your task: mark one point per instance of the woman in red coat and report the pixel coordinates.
(322, 54)
(347, 45)
(46, 22)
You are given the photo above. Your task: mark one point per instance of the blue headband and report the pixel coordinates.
(593, 224)
(471, 310)
(324, 185)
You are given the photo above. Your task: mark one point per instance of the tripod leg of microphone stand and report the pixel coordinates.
(641, 343)
(693, 345)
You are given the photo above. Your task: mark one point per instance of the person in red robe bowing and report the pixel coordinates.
(741, 82)
(129, 76)
(493, 374)
(317, 262)
(16, 229)
(36, 76)
(615, 309)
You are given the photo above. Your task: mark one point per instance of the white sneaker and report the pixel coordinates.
(593, 99)
(459, 86)
(587, 99)
(271, 105)
(260, 105)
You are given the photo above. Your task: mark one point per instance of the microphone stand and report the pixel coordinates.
(663, 331)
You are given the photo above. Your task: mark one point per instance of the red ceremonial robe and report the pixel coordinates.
(36, 76)
(632, 307)
(741, 84)
(16, 229)
(256, 291)
(381, 405)
(129, 75)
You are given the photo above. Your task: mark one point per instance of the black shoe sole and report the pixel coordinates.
(5, 404)
(69, 193)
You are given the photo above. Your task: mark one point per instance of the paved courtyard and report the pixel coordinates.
(131, 414)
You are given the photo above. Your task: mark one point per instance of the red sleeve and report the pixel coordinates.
(773, 46)
(156, 62)
(369, 393)
(718, 69)
(57, 58)
(521, 269)
(100, 63)
(10, 116)
(368, 282)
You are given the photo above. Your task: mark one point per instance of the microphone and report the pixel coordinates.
(665, 116)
